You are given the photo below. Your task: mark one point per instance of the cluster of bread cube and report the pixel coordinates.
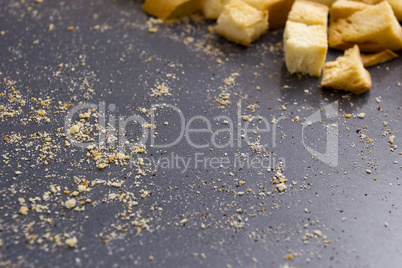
(354, 26)
(240, 21)
(363, 25)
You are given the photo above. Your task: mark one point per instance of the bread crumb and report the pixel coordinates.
(281, 187)
(318, 233)
(71, 242)
(153, 29)
(70, 203)
(81, 188)
(289, 257)
(183, 222)
(23, 210)
(102, 165)
(361, 115)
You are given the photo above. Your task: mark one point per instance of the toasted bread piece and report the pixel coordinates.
(305, 38)
(258, 4)
(241, 23)
(397, 8)
(310, 13)
(328, 3)
(278, 11)
(171, 9)
(343, 9)
(395, 4)
(380, 57)
(374, 28)
(369, 2)
(213, 8)
(305, 47)
(347, 73)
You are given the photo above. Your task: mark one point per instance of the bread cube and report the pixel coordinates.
(213, 8)
(171, 9)
(368, 2)
(347, 73)
(241, 23)
(343, 9)
(395, 4)
(373, 29)
(309, 13)
(305, 47)
(397, 8)
(328, 3)
(305, 38)
(278, 11)
(377, 58)
(258, 4)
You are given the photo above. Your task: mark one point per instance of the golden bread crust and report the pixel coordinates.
(347, 73)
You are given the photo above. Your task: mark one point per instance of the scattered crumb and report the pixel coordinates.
(71, 242)
(23, 210)
(361, 115)
(70, 203)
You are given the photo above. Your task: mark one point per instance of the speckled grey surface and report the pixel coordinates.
(359, 216)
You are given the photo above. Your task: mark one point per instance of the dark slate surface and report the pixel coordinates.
(344, 202)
